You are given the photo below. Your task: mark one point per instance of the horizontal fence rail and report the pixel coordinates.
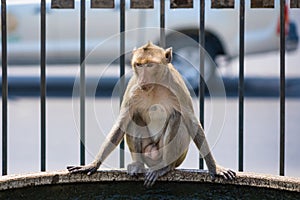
(143, 4)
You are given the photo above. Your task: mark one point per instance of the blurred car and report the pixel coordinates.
(102, 28)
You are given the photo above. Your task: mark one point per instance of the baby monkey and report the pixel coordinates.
(158, 120)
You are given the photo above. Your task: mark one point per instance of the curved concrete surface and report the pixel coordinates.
(184, 175)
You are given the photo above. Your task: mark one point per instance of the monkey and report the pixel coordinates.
(157, 120)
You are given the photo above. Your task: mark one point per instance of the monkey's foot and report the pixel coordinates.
(152, 175)
(135, 168)
(227, 174)
(88, 169)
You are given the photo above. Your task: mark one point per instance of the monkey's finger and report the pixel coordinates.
(148, 183)
(92, 171)
(78, 169)
(227, 176)
(223, 175)
(150, 179)
(232, 173)
(73, 168)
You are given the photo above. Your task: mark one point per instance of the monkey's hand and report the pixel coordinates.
(220, 171)
(152, 175)
(88, 169)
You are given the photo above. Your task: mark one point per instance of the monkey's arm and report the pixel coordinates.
(111, 142)
(197, 134)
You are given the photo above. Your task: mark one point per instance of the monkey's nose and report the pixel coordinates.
(145, 86)
(142, 83)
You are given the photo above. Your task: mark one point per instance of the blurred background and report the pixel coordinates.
(262, 70)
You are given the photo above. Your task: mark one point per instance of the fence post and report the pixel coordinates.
(282, 87)
(43, 85)
(202, 79)
(82, 82)
(241, 86)
(162, 42)
(4, 86)
(122, 71)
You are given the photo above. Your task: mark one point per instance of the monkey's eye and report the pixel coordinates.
(138, 64)
(151, 64)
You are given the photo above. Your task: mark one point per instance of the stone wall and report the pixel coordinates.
(180, 175)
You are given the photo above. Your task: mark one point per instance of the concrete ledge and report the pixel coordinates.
(179, 175)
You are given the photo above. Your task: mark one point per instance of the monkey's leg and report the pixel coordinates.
(134, 138)
(137, 165)
(197, 134)
(174, 145)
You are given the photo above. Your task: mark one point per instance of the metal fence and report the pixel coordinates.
(142, 4)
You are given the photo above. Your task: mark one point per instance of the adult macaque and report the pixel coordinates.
(157, 119)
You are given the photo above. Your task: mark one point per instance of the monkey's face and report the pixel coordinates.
(149, 63)
(147, 73)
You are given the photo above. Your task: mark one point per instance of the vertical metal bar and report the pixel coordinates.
(82, 82)
(43, 85)
(202, 80)
(241, 86)
(282, 87)
(162, 41)
(122, 69)
(4, 86)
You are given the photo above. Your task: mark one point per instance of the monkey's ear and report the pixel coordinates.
(168, 55)
(134, 49)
